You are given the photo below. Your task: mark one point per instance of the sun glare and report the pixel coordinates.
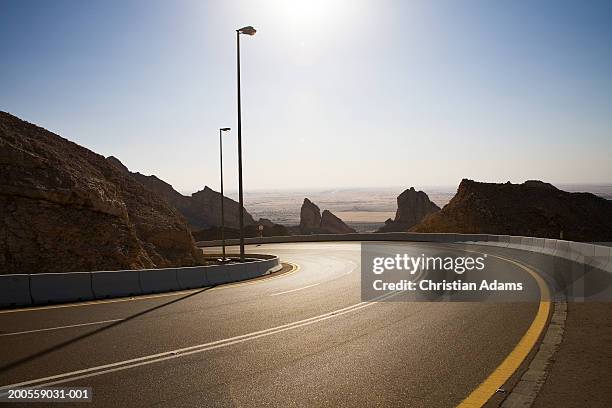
(310, 13)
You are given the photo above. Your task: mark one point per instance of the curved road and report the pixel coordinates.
(301, 339)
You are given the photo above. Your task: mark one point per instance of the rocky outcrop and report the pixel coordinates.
(65, 208)
(533, 208)
(310, 217)
(412, 207)
(312, 222)
(202, 210)
(334, 225)
(211, 200)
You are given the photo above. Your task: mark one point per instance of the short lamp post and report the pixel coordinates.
(221, 130)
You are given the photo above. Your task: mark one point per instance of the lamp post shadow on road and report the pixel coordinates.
(221, 130)
(248, 30)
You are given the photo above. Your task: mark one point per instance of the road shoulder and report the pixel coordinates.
(583, 362)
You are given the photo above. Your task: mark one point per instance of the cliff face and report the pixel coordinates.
(412, 207)
(202, 210)
(312, 222)
(65, 208)
(533, 208)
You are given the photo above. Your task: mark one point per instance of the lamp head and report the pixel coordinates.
(248, 30)
(224, 129)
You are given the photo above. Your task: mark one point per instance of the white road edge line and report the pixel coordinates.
(60, 327)
(154, 358)
(295, 290)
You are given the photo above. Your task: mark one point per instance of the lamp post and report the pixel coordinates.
(221, 130)
(248, 30)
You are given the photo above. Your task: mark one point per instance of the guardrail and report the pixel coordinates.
(43, 288)
(32, 289)
(574, 270)
(594, 255)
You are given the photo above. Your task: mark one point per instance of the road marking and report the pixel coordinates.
(295, 269)
(168, 355)
(512, 362)
(295, 290)
(60, 327)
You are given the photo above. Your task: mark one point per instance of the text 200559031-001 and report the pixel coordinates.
(47, 394)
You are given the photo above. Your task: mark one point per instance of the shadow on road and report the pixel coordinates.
(66, 343)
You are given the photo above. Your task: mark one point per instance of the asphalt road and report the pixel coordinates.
(302, 339)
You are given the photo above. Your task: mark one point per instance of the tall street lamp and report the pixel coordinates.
(221, 130)
(248, 30)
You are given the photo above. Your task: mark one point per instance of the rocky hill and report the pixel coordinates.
(533, 208)
(412, 207)
(202, 210)
(312, 222)
(65, 208)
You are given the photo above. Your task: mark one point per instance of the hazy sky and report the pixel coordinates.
(335, 93)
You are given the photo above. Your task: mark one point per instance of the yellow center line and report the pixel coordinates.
(513, 361)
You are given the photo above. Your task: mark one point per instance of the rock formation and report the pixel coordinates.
(312, 222)
(65, 208)
(310, 217)
(202, 209)
(334, 225)
(533, 208)
(211, 200)
(412, 207)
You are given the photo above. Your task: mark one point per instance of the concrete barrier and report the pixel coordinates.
(255, 270)
(573, 251)
(505, 241)
(492, 240)
(217, 275)
(526, 243)
(581, 252)
(538, 244)
(158, 280)
(108, 284)
(544, 246)
(60, 287)
(275, 268)
(478, 238)
(602, 258)
(563, 249)
(515, 242)
(266, 266)
(495, 240)
(27, 289)
(15, 290)
(191, 278)
(550, 246)
(238, 272)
